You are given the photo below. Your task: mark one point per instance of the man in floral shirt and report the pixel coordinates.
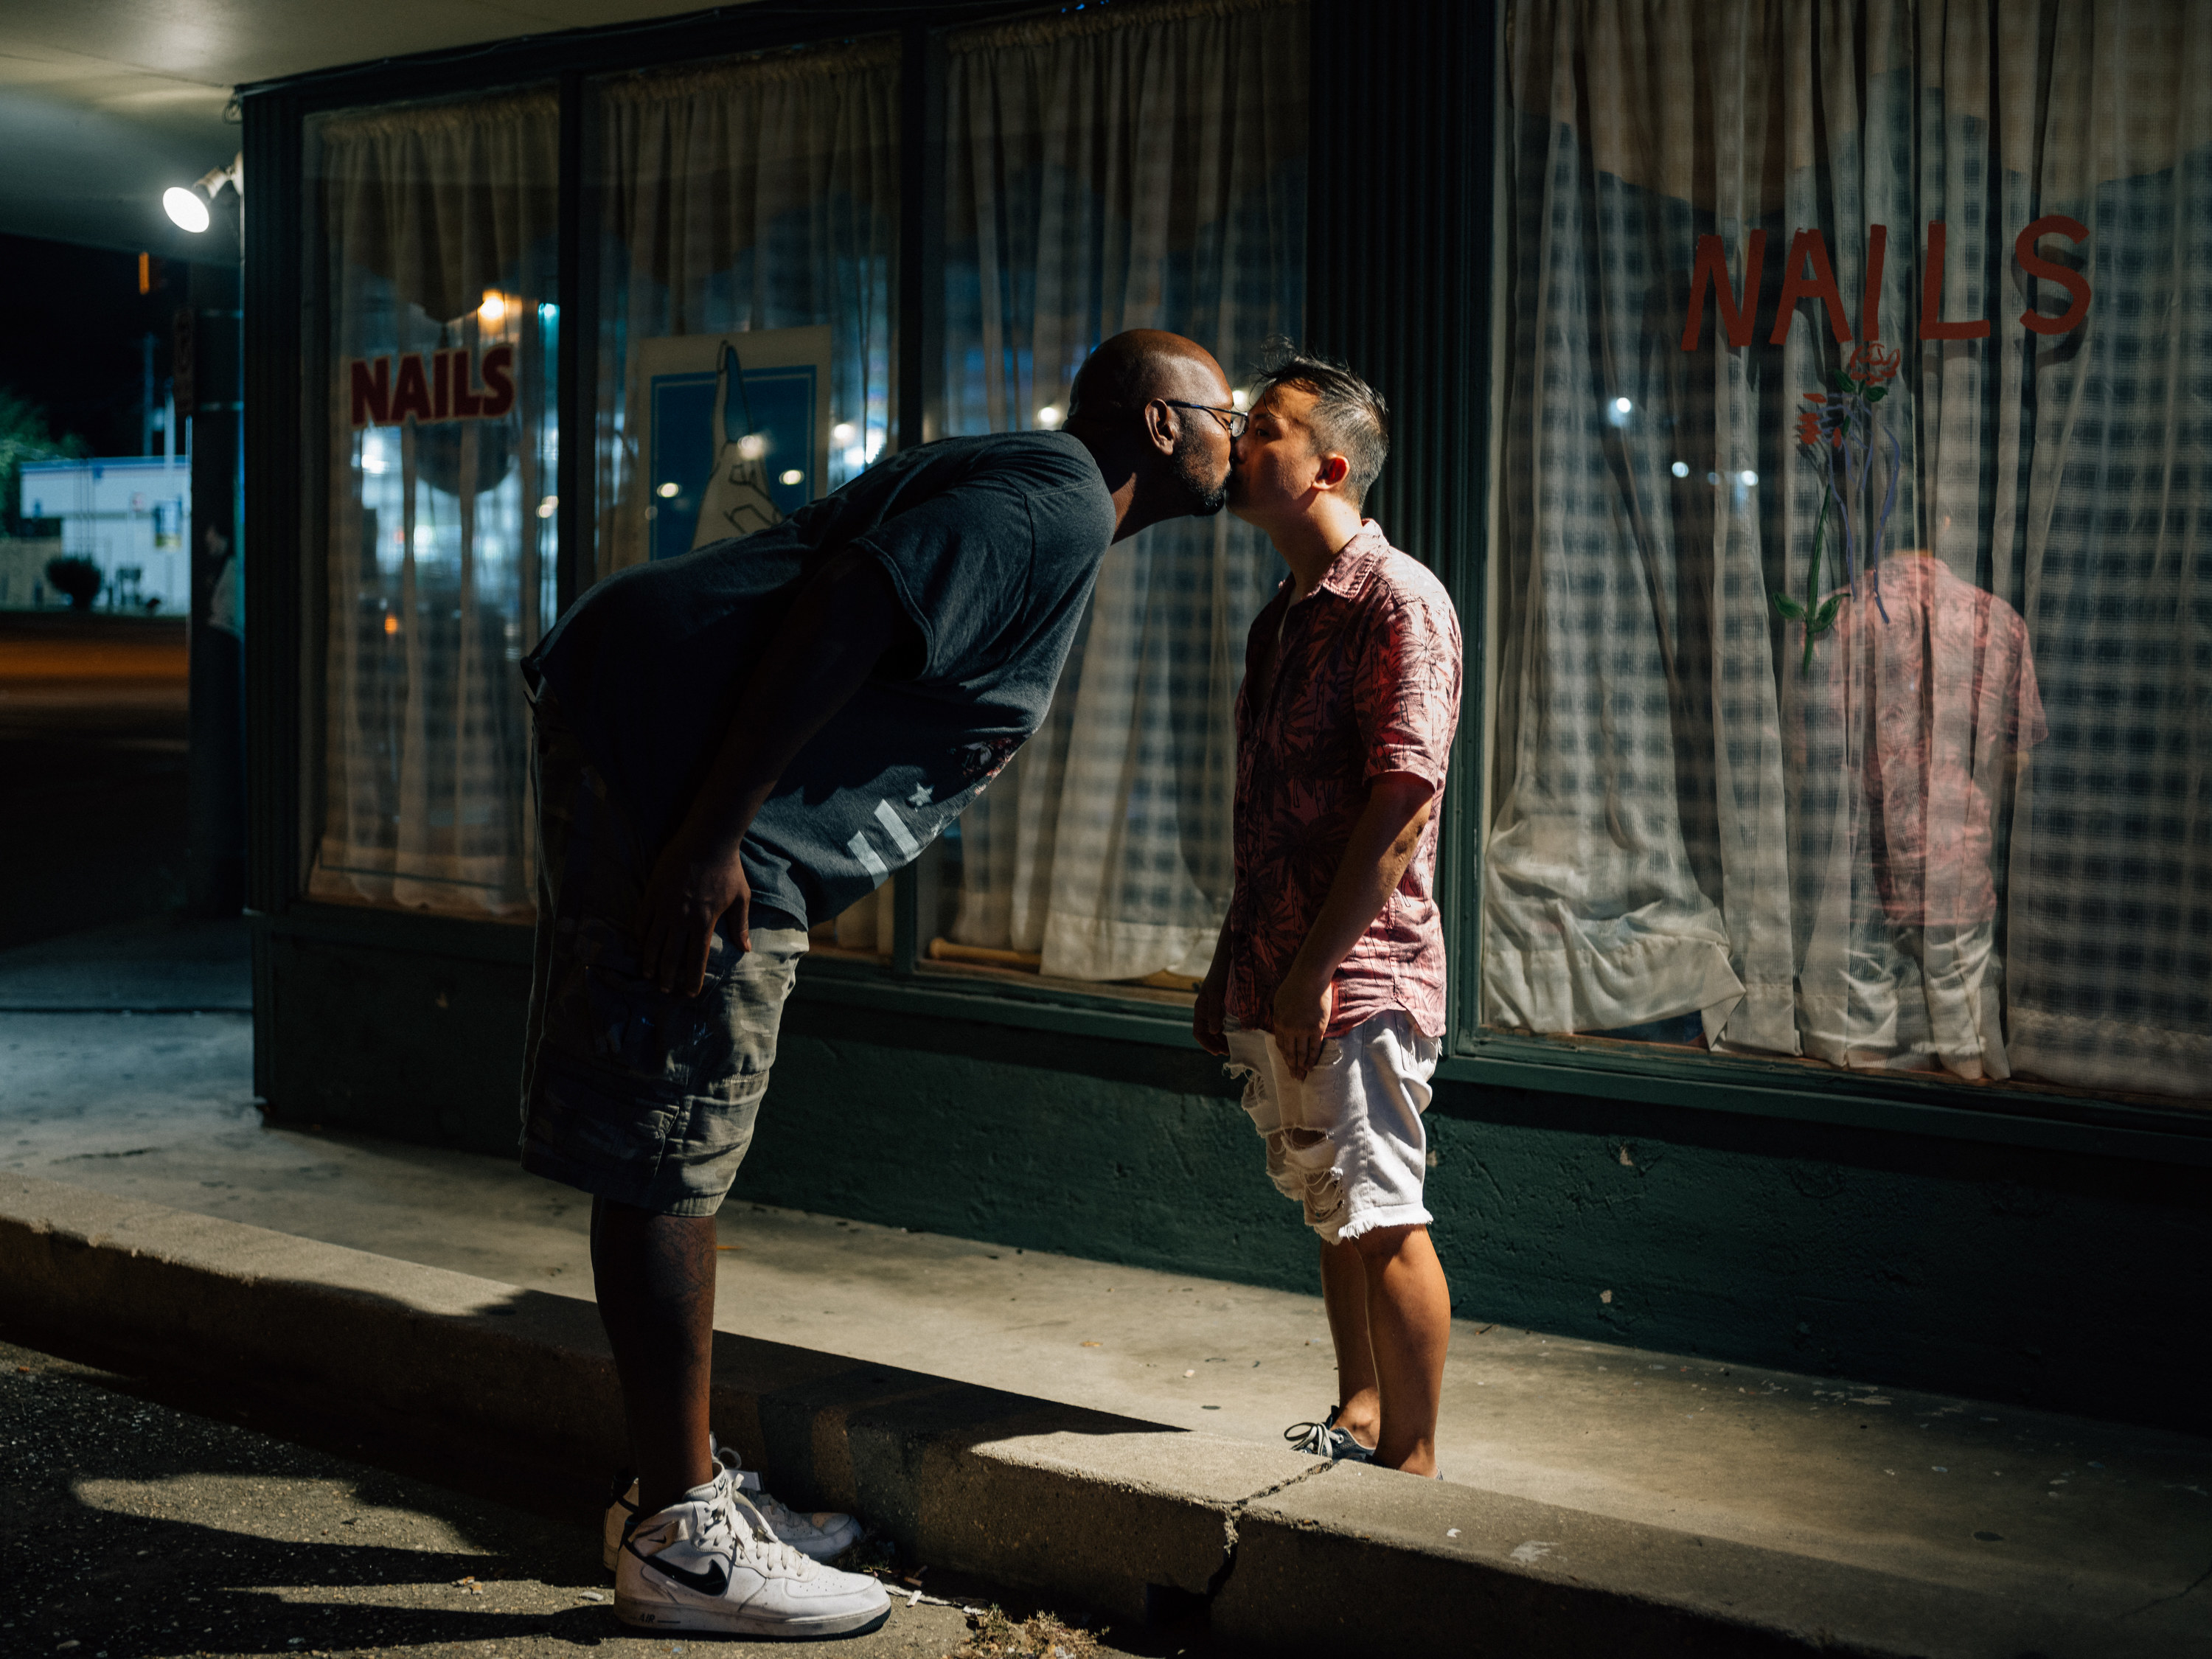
(1327, 990)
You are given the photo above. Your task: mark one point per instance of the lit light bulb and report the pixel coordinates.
(1621, 405)
(549, 506)
(185, 208)
(1048, 416)
(792, 476)
(1681, 469)
(493, 311)
(843, 432)
(666, 491)
(1748, 476)
(752, 446)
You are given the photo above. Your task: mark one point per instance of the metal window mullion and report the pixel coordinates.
(919, 332)
(576, 363)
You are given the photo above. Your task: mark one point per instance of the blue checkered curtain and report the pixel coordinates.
(437, 227)
(1141, 167)
(1971, 830)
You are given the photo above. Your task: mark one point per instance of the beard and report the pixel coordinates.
(1192, 467)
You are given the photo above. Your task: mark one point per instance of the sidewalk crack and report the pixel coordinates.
(2159, 1601)
(1215, 1585)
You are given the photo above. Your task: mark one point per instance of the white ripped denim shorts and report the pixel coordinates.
(1347, 1142)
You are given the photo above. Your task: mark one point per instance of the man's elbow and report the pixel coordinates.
(1403, 800)
(1408, 794)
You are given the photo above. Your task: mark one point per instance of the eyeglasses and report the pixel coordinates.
(1235, 420)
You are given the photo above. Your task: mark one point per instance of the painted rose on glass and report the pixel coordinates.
(1838, 427)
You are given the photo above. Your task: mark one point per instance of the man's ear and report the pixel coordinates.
(1161, 426)
(1330, 471)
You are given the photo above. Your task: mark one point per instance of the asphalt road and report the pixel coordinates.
(93, 750)
(130, 1527)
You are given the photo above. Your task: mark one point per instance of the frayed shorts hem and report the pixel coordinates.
(618, 1183)
(1367, 1221)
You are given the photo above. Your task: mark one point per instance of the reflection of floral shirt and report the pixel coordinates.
(1366, 681)
(1954, 697)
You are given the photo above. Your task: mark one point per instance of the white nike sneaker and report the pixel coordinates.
(822, 1535)
(708, 1563)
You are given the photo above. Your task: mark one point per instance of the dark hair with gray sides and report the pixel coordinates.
(1348, 418)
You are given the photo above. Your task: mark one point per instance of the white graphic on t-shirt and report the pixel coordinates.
(923, 794)
(858, 847)
(895, 827)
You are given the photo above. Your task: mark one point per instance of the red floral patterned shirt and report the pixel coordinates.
(1366, 681)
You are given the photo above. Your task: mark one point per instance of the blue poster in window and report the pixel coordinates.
(737, 433)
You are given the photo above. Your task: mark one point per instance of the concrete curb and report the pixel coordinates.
(1282, 1552)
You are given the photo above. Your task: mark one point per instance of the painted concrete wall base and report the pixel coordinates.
(2000, 1273)
(1283, 1553)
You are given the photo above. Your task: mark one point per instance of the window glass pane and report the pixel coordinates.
(1852, 684)
(749, 216)
(1134, 168)
(436, 225)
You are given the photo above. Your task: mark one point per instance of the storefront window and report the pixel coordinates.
(1850, 678)
(1137, 167)
(438, 229)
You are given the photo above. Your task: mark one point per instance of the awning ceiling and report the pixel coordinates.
(104, 106)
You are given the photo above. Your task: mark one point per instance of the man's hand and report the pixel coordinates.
(843, 621)
(1205, 1015)
(695, 882)
(1302, 1013)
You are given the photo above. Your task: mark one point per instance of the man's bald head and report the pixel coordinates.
(1130, 408)
(1128, 371)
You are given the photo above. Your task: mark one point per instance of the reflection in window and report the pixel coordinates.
(438, 224)
(1707, 829)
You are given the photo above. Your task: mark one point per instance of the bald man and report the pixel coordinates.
(736, 743)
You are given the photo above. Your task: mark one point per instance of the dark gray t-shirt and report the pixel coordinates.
(992, 545)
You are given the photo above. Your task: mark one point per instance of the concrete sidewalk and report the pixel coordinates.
(2075, 1525)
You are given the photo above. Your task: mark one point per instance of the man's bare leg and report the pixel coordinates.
(654, 1277)
(1344, 1293)
(1408, 1329)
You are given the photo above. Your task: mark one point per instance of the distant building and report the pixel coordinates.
(127, 515)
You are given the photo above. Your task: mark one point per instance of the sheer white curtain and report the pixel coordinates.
(758, 194)
(437, 225)
(1970, 832)
(1141, 167)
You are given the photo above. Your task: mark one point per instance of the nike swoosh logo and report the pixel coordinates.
(712, 1581)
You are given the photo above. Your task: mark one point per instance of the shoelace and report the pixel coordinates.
(753, 1538)
(1315, 1437)
(773, 1510)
